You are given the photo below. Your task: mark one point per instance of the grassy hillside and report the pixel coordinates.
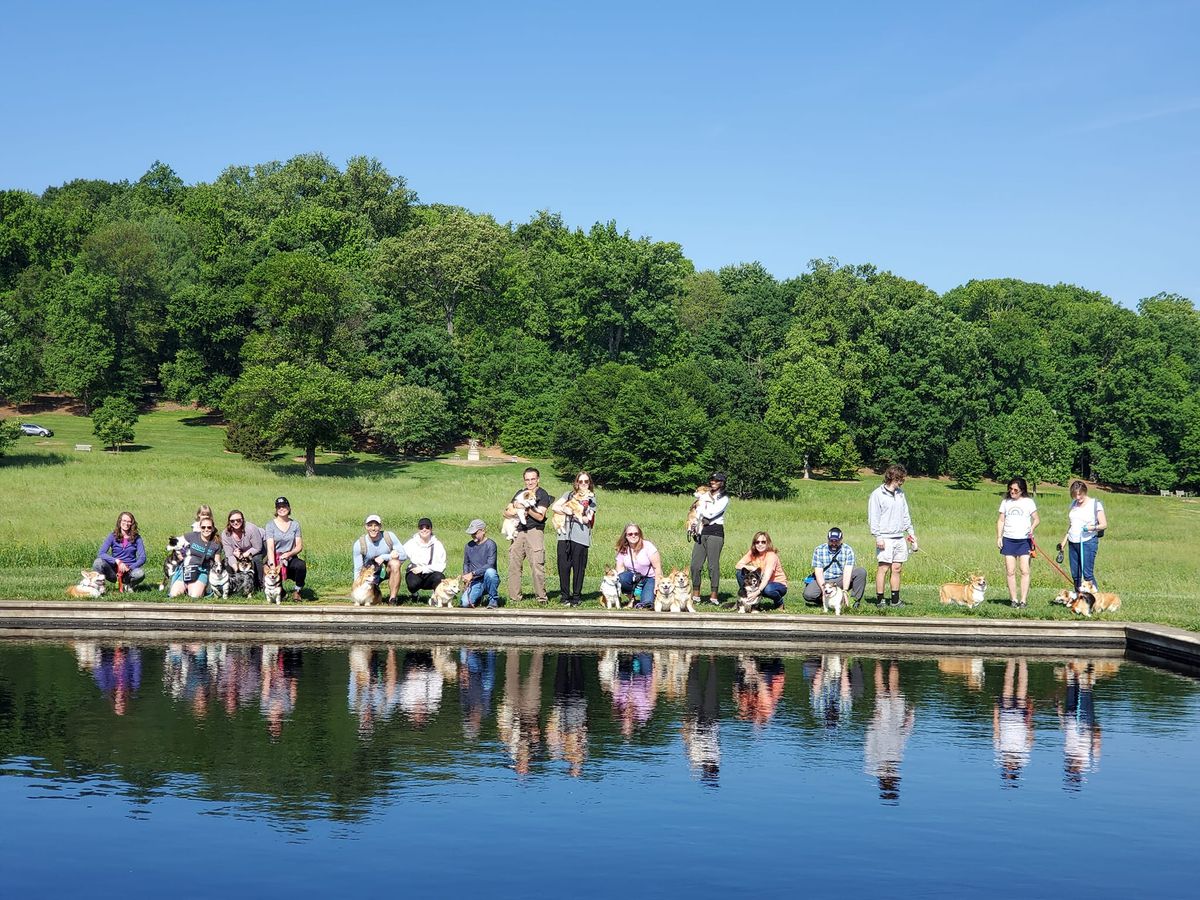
(58, 503)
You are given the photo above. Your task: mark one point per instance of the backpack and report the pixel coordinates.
(362, 544)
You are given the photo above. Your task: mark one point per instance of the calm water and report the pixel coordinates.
(199, 769)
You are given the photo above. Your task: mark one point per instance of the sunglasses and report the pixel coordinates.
(633, 534)
(764, 543)
(235, 521)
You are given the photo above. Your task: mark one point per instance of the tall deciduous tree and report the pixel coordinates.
(804, 407)
(1031, 442)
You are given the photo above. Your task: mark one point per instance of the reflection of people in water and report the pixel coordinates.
(887, 733)
(701, 725)
(420, 694)
(280, 676)
(518, 716)
(1012, 722)
(634, 690)
(567, 725)
(373, 692)
(1081, 731)
(239, 677)
(757, 688)
(831, 696)
(117, 671)
(476, 682)
(190, 674)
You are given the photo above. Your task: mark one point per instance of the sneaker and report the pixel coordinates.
(896, 605)
(392, 601)
(296, 595)
(493, 604)
(715, 601)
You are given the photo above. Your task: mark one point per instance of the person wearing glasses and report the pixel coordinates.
(1014, 537)
(530, 540)
(203, 552)
(242, 540)
(575, 542)
(122, 556)
(426, 560)
(638, 564)
(834, 563)
(763, 556)
(285, 544)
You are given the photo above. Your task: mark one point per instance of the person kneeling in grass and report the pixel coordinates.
(385, 550)
(203, 552)
(479, 567)
(122, 555)
(833, 563)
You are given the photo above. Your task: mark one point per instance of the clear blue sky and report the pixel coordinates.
(1050, 141)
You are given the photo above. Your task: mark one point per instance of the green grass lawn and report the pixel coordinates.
(58, 503)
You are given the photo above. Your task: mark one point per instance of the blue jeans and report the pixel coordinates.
(1083, 557)
(489, 580)
(625, 579)
(774, 591)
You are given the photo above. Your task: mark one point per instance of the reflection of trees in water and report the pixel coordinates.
(758, 685)
(117, 671)
(701, 724)
(1077, 717)
(890, 727)
(517, 719)
(567, 725)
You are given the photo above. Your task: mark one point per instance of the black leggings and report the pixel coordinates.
(296, 570)
(572, 561)
(423, 581)
(708, 550)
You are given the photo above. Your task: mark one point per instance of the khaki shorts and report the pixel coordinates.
(895, 550)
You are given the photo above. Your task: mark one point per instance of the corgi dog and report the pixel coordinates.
(835, 598)
(682, 582)
(969, 595)
(751, 579)
(610, 589)
(664, 595)
(445, 592)
(242, 579)
(365, 591)
(515, 513)
(272, 584)
(91, 585)
(1100, 601)
(693, 514)
(177, 547)
(218, 579)
(573, 506)
(1065, 597)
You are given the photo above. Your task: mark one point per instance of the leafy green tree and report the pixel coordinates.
(306, 405)
(113, 422)
(842, 459)
(80, 357)
(408, 419)
(529, 429)
(755, 461)
(9, 432)
(249, 442)
(965, 462)
(804, 407)
(1031, 442)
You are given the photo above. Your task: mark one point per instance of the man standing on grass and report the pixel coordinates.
(530, 542)
(891, 526)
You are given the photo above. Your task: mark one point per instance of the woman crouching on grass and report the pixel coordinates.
(122, 556)
(242, 540)
(638, 564)
(284, 545)
(763, 556)
(203, 552)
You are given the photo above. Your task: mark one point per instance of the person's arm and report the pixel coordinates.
(743, 562)
(106, 550)
(1034, 521)
(489, 561)
(847, 567)
(589, 511)
(1000, 529)
(656, 565)
(271, 557)
(438, 563)
(873, 513)
(713, 509)
(358, 557)
(139, 553)
(1101, 518)
(298, 547)
(621, 563)
(255, 536)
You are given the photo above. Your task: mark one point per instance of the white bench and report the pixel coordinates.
(87, 447)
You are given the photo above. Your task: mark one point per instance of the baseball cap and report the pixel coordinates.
(717, 476)
(282, 501)
(475, 525)
(373, 518)
(424, 523)
(835, 534)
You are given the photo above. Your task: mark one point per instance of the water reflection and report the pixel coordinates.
(1012, 722)
(757, 688)
(117, 671)
(374, 690)
(702, 724)
(1077, 718)
(567, 726)
(519, 718)
(476, 682)
(631, 679)
(888, 732)
(281, 667)
(835, 682)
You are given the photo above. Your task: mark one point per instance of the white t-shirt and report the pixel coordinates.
(1018, 516)
(1080, 514)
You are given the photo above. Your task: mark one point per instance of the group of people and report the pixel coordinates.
(421, 562)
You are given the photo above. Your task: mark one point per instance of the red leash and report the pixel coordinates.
(1046, 557)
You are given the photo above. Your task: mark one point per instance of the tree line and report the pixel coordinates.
(326, 307)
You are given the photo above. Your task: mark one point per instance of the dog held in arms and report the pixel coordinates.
(969, 595)
(574, 506)
(365, 591)
(693, 515)
(515, 514)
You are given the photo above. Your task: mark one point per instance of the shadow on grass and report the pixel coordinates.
(32, 460)
(952, 486)
(131, 448)
(211, 418)
(342, 468)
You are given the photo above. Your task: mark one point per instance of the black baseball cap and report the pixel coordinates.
(424, 523)
(282, 501)
(835, 534)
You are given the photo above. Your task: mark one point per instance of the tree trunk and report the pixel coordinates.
(807, 468)
(310, 460)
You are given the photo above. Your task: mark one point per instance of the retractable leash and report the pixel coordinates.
(1053, 564)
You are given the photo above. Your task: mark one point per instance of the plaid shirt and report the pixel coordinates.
(823, 557)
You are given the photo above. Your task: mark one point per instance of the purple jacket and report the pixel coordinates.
(132, 554)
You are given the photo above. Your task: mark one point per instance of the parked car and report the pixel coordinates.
(35, 430)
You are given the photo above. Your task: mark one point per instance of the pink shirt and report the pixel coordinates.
(640, 564)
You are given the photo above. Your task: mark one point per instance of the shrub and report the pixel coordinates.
(408, 419)
(113, 422)
(529, 429)
(756, 462)
(9, 432)
(842, 459)
(249, 442)
(965, 463)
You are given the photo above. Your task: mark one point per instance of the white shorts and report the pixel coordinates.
(895, 550)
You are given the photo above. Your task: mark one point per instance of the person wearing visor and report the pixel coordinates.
(833, 563)
(385, 550)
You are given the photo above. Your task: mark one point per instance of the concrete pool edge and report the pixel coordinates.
(313, 622)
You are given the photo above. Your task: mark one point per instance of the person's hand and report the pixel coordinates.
(999, 543)
(466, 578)
(879, 543)
(381, 559)
(121, 567)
